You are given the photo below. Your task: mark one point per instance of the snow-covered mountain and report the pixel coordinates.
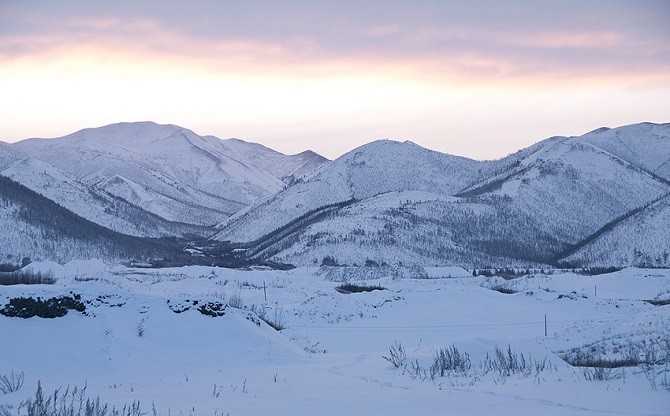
(645, 145)
(570, 187)
(36, 228)
(148, 179)
(640, 239)
(595, 199)
(400, 203)
(372, 169)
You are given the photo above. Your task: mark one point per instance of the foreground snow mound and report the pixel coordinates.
(191, 340)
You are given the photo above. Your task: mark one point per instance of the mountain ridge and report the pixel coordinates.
(563, 188)
(563, 200)
(165, 170)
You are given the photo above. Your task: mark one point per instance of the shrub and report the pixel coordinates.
(72, 403)
(276, 322)
(504, 289)
(212, 309)
(235, 301)
(23, 277)
(658, 302)
(647, 351)
(141, 329)
(371, 263)
(354, 288)
(9, 383)
(600, 373)
(450, 360)
(593, 271)
(50, 308)
(397, 355)
(9, 267)
(508, 362)
(329, 261)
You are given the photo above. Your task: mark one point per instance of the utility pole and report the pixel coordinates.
(545, 324)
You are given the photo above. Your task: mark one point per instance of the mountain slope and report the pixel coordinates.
(599, 199)
(645, 145)
(641, 239)
(413, 206)
(102, 208)
(160, 171)
(36, 227)
(278, 164)
(572, 187)
(373, 169)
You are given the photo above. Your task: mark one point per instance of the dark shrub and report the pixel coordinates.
(50, 308)
(212, 309)
(354, 288)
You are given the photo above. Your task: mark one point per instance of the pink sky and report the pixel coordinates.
(479, 78)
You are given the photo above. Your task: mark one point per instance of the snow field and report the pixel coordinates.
(329, 359)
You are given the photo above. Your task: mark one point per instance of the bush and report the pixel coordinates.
(651, 356)
(141, 329)
(504, 289)
(593, 271)
(9, 383)
(508, 362)
(397, 355)
(354, 288)
(329, 261)
(235, 301)
(71, 403)
(450, 360)
(23, 277)
(276, 322)
(50, 308)
(9, 267)
(212, 309)
(600, 373)
(647, 351)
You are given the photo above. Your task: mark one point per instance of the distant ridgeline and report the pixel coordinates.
(161, 195)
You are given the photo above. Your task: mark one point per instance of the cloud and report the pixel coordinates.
(303, 69)
(446, 39)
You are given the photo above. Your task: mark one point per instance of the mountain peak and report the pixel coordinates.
(599, 130)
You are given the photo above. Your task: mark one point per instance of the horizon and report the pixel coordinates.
(345, 152)
(478, 80)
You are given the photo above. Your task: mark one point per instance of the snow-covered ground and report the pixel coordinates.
(142, 337)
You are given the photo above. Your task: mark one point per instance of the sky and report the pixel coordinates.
(474, 78)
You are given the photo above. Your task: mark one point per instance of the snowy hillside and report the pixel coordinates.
(196, 341)
(35, 228)
(571, 187)
(373, 169)
(410, 205)
(164, 170)
(278, 164)
(642, 239)
(384, 202)
(646, 145)
(109, 211)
